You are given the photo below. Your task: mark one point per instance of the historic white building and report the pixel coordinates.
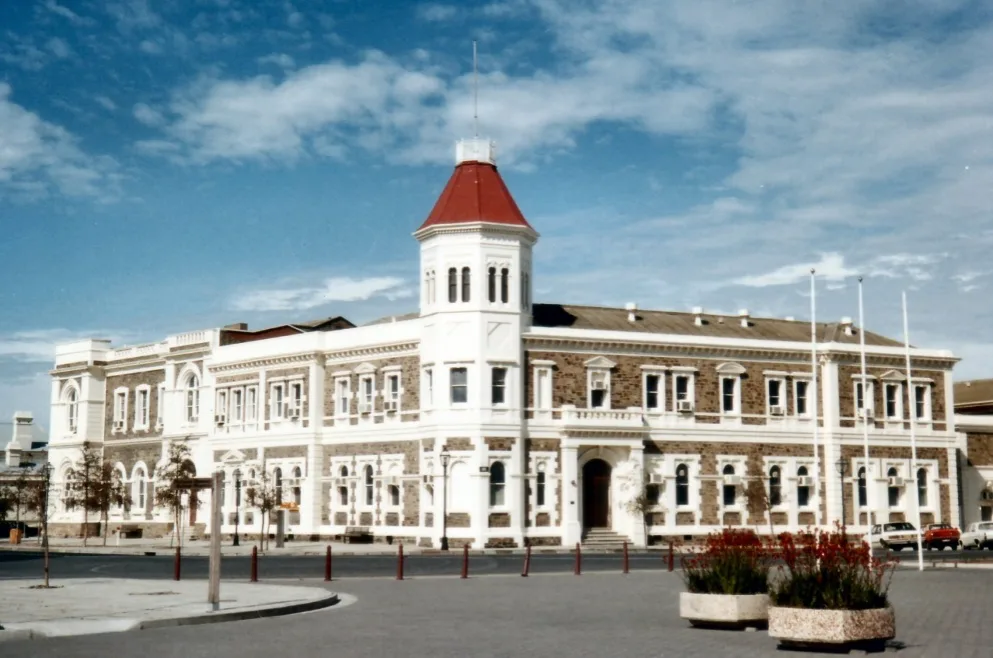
(552, 418)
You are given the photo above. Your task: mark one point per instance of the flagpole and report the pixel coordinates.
(865, 417)
(815, 395)
(913, 434)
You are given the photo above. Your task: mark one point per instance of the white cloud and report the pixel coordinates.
(831, 267)
(59, 47)
(106, 102)
(334, 289)
(279, 59)
(436, 12)
(37, 156)
(68, 14)
(147, 115)
(151, 47)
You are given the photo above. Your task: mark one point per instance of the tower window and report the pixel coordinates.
(491, 284)
(504, 285)
(453, 285)
(465, 284)
(499, 386)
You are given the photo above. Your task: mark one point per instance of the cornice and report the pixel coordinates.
(265, 362)
(320, 358)
(396, 349)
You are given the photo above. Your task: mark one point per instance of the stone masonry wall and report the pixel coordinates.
(849, 375)
(355, 515)
(980, 447)
(132, 381)
(410, 382)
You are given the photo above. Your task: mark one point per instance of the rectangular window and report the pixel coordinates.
(429, 383)
(652, 391)
(542, 388)
(296, 398)
(236, 405)
(775, 393)
(892, 400)
(728, 401)
(160, 405)
(499, 386)
(393, 387)
(367, 390)
(342, 397)
(459, 385)
(120, 403)
(141, 407)
(859, 396)
(277, 401)
(252, 406)
(598, 390)
(222, 404)
(682, 387)
(801, 398)
(540, 489)
(920, 402)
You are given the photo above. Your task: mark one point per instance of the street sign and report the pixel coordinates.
(192, 483)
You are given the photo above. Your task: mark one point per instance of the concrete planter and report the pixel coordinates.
(724, 610)
(803, 628)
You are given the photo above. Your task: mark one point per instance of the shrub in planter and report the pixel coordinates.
(829, 590)
(727, 583)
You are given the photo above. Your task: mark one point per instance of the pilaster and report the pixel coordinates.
(313, 498)
(572, 529)
(830, 440)
(480, 520)
(637, 533)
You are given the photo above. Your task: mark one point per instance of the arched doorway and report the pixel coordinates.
(596, 494)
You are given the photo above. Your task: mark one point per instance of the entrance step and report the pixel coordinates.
(602, 538)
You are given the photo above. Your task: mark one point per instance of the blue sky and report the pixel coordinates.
(167, 166)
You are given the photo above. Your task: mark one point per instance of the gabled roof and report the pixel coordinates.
(973, 393)
(475, 193)
(240, 333)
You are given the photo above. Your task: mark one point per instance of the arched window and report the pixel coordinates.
(369, 493)
(775, 486)
(192, 398)
(277, 484)
(343, 489)
(730, 490)
(491, 284)
(893, 492)
(465, 284)
(394, 492)
(297, 476)
(453, 285)
(139, 489)
(504, 285)
(539, 487)
(498, 480)
(802, 493)
(682, 485)
(922, 487)
(72, 410)
(863, 491)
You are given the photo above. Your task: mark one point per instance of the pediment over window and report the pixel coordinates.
(730, 368)
(893, 376)
(233, 457)
(600, 362)
(365, 369)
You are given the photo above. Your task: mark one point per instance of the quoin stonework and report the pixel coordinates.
(554, 417)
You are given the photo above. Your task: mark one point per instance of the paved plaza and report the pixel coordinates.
(939, 613)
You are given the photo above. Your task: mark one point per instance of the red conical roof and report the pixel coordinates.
(475, 193)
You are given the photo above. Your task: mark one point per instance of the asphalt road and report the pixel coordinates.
(24, 565)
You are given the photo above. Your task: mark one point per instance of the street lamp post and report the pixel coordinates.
(840, 464)
(444, 499)
(237, 506)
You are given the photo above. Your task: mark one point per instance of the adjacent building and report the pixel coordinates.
(974, 419)
(522, 422)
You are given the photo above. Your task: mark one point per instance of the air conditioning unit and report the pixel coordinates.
(118, 424)
(684, 406)
(777, 410)
(732, 480)
(391, 406)
(655, 478)
(896, 481)
(220, 419)
(428, 479)
(866, 412)
(294, 413)
(805, 481)
(598, 385)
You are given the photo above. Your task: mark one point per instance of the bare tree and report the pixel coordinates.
(109, 491)
(643, 504)
(19, 492)
(82, 482)
(263, 496)
(38, 500)
(758, 501)
(178, 466)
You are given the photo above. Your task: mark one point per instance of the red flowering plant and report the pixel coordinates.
(733, 562)
(826, 571)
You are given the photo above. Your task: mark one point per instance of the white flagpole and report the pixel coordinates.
(911, 412)
(815, 395)
(865, 419)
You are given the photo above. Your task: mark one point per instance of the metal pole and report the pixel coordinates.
(579, 560)
(444, 505)
(527, 562)
(237, 506)
(815, 408)
(626, 565)
(400, 563)
(214, 586)
(175, 565)
(865, 419)
(255, 564)
(911, 414)
(465, 561)
(841, 482)
(671, 561)
(327, 565)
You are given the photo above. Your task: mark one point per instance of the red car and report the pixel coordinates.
(939, 535)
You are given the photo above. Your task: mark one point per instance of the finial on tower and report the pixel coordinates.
(475, 149)
(475, 93)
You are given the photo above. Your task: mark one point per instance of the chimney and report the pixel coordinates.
(743, 314)
(846, 323)
(631, 308)
(237, 326)
(698, 312)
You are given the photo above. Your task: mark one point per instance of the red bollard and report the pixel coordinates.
(175, 566)
(527, 563)
(579, 560)
(671, 560)
(327, 566)
(400, 563)
(254, 578)
(626, 564)
(465, 561)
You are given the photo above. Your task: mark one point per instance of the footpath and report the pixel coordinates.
(107, 605)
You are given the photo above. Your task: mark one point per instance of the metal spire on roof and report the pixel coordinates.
(475, 93)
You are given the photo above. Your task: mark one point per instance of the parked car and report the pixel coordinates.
(939, 535)
(978, 535)
(898, 535)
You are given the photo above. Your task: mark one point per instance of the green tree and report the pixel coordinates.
(263, 496)
(38, 500)
(82, 483)
(177, 467)
(109, 491)
(643, 505)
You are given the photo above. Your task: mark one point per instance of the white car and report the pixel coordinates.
(896, 535)
(978, 535)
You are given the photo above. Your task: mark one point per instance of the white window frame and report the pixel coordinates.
(504, 491)
(393, 374)
(276, 402)
(781, 380)
(451, 386)
(139, 494)
(221, 408)
(364, 486)
(690, 376)
(342, 394)
(142, 412)
(736, 395)
(898, 406)
(928, 416)
(653, 371)
(367, 394)
(237, 407)
(251, 404)
(692, 463)
(506, 386)
(807, 380)
(191, 398)
(740, 464)
(72, 409)
(296, 395)
(427, 386)
(901, 503)
(542, 397)
(598, 368)
(121, 394)
(784, 488)
(160, 406)
(868, 398)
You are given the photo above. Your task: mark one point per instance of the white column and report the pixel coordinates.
(517, 491)
(480, 518)
(313, 497)
(830, 441)
(57, 421)
(572, 529)
(170, 417)
(954, 513)
(637, 523)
